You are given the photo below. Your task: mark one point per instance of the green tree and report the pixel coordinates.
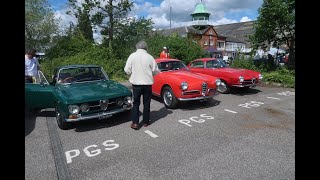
(71, 44)
(82, 13)
(103, 13)
(40, 24)
(179, 47)
(114, 10)
(276, 24)
(127, 33)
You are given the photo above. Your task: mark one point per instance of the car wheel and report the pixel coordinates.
(169, 100)
(62, 124)
(224, 89)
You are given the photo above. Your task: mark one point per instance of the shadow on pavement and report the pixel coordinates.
(192, 105)
(244, 91)
(29, 122)
(31, 116)
(159, 114)
(195, 105)
(94, 124)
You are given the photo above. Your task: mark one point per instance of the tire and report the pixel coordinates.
(168, 98)
(62, 124)
(224, 90)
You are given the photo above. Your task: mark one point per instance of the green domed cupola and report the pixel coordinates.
(200, 14)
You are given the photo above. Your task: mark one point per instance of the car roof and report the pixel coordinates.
(76, 66)
(206, 59)
(159, 60)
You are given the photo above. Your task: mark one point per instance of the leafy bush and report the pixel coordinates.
(286, 79)
(179, 47)
(68, 46)
(95, 55)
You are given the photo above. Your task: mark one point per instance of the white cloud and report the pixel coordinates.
(222, 12)
(65, 19)
(223, 21)
(181, 10)
(245, 19)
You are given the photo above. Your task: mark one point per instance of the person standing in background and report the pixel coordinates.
(141, 67)
(165, 53)
(32, 66)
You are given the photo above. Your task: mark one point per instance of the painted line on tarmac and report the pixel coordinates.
(273, 98)
(56, 147)
(230, 111)
(151, 134)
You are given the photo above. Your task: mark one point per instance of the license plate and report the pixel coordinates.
(105, 116)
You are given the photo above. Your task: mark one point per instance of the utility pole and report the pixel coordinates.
(170, 12)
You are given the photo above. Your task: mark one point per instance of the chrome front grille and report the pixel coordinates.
(204, 88)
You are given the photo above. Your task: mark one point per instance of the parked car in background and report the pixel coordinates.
(78, 92)
(231, 77)
(175, 83)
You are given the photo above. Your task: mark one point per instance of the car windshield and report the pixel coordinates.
(216, 64)
(172, 66)
(81, 74)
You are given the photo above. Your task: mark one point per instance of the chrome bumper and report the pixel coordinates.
(100, 114)
(214, 93)
(245, 85)
(196, 98)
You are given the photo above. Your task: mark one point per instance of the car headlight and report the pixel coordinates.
(74, 109)
(128, 100)
(184, 86)
(241, 79)
(84, 107)
(218, 82)
(260, 76)
(119, 101)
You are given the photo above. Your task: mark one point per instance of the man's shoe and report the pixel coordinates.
(134, 126)
(146, 124)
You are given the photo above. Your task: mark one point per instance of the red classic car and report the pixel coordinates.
(230, 77)
(176, 83)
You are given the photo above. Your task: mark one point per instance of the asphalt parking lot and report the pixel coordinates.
(241, 135)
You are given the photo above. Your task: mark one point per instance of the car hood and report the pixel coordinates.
(247, 74)
(92, 91)
(180, 76)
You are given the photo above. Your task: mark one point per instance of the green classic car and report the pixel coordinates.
(78, 92)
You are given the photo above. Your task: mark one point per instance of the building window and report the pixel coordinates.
(205, 43)
(210, 32)
(211, 43)
(220, 44)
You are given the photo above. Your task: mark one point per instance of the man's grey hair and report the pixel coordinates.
(141, 45)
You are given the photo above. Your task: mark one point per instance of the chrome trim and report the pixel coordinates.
(196, 98)
(96, 115)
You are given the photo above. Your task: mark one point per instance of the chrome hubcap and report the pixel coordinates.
(167, 98)
(222, 87)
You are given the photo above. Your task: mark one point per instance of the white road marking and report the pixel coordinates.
(151, 133)
(273, 98)
(230, 111)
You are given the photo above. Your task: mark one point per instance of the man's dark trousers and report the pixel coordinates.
(146, 92)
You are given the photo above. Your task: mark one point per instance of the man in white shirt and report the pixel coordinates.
(31, 66)
(141, 67)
